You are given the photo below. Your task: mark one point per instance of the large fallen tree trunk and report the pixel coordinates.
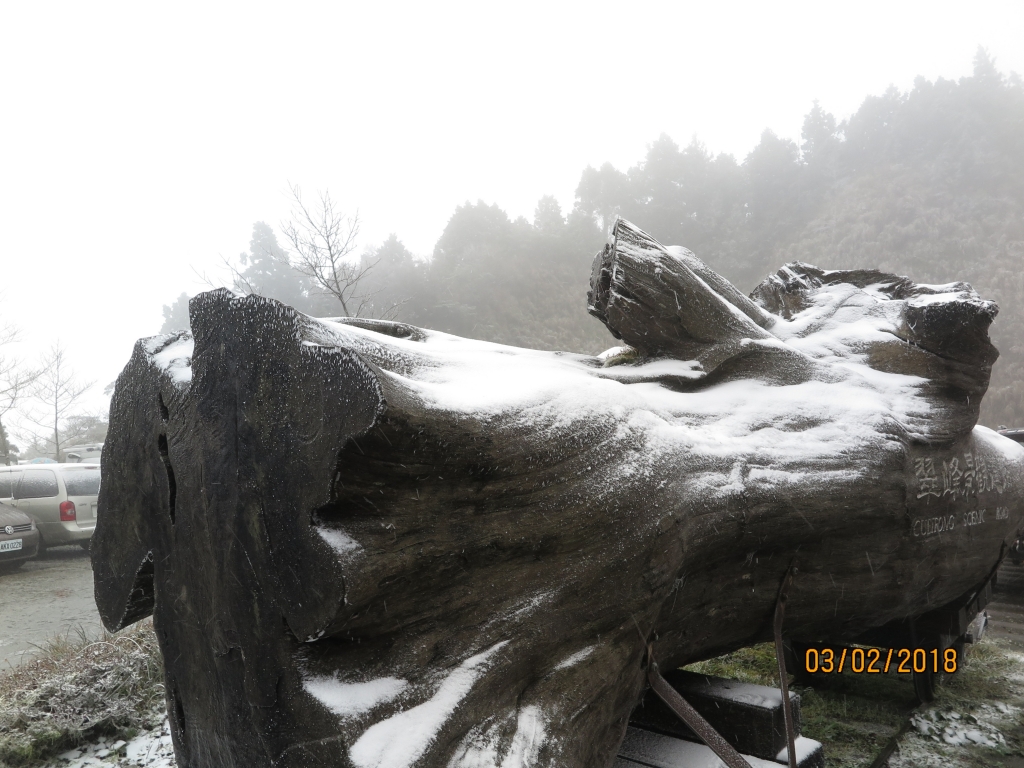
(366, 544)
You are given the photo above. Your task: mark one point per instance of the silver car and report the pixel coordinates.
(19, 539)
(61, 498)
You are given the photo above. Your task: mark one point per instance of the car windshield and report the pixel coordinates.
(82, 482)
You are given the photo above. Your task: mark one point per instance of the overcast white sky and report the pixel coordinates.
(140, 140)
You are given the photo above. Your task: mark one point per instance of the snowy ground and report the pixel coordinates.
(961, 730)
(150, 748)
(977, 721)
(969, 733)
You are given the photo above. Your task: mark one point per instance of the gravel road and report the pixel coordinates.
(48, 596)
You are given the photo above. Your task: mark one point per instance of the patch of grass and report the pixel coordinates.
(985, 675)
(754, 664)
(852, 715)
(78, 689)
(852, 725)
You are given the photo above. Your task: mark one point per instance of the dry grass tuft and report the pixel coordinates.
(77, 689)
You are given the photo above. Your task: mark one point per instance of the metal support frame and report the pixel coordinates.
(787, 710)
(685, 711)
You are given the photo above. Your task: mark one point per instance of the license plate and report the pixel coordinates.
(7, 546)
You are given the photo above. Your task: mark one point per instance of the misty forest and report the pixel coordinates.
(927, 183)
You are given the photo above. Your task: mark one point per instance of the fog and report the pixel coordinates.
(141, 144)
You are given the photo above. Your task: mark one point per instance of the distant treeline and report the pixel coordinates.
(928, 183)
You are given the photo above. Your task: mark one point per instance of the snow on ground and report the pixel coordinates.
(938, 737)
(970, 731)
(956, 730)
(151, 749)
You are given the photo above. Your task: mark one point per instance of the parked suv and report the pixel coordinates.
(60, 498)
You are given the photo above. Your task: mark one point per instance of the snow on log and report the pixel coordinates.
(371, 545)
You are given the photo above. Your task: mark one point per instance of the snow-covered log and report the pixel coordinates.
(366, 544)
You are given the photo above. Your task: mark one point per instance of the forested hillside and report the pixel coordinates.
(928, 183)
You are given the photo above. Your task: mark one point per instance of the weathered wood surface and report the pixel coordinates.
(367, 544)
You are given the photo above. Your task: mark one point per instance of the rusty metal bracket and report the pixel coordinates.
(685, 711)
(787, 711)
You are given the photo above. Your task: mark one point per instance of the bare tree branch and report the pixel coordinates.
(323, 240)
(9, 333)
(206, 278)
(16, 381)
(239, 281)
(59, 390)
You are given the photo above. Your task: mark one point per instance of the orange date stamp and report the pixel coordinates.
(878, 661)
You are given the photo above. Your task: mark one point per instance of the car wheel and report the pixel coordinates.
(11, 567)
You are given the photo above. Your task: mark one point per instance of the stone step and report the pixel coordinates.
(748, 716)
(657, 750)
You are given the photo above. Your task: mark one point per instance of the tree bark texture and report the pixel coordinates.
(366, 544)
